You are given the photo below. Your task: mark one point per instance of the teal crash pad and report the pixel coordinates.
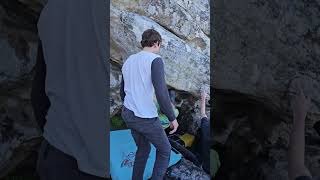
(122, 153)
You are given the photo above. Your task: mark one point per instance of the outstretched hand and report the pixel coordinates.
(204, 96)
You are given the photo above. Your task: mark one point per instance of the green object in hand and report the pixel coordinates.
(164, 119)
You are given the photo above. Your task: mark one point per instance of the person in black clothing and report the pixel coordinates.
(69, 90)
(204, 134)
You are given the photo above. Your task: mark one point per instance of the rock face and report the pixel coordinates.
(186, 170)
(15, 68)
(19, 134)
(185, 47)
(263, 49)
(188, 20)
(115, 80)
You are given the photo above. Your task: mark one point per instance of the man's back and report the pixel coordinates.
(138, 85)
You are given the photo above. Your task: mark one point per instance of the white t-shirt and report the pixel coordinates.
(138, 85)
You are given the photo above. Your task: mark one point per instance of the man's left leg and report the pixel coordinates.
(157, 136)
(142, 155)
(153, 132)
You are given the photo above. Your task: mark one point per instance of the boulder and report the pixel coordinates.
(115, 81)
(14, 68)
(263, 49)
(19, 133)
(188, 20)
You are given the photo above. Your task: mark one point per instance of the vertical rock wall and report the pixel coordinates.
(19, 134)
(263, 48)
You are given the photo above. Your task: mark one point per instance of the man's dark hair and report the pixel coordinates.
(149, 37)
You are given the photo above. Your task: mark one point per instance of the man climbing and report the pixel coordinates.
(143, 75)
(208, 157)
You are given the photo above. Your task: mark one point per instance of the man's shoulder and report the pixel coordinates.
(158, 61)
(156, 56)
(149, 55)
(146, 57)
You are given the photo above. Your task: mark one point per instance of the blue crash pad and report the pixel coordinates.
(122, 153)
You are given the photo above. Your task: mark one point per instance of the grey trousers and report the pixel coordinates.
(144, 132)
